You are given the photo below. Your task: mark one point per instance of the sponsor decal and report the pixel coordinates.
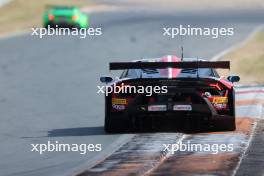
(118, 107)
(220, 106)
(157, 108)
(220, 100)
(182, 107)
(119, 101)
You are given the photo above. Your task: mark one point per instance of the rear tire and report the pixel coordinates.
(107, 122)
(225, 124)
(230, 125)
(114, 123)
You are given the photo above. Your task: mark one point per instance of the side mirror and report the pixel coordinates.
(106, 79)
(233, 78)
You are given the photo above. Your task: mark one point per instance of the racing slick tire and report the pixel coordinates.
(225, 123)
(114, 123)
(230, 125)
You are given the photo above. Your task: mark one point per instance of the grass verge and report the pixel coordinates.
(248, 61)
(21, 15)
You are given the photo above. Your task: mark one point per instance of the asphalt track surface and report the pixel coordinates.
(49, 85)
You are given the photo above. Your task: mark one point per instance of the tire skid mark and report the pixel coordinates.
(140, 155)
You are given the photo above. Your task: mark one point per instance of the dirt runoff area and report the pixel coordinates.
(247, 61)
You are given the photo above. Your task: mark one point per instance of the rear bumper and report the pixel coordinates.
(173, 115)
(173, 122)
(196, 109)
(63, 24)
(202, 117)
(204, 109)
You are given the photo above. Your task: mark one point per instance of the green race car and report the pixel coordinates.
(65, 16)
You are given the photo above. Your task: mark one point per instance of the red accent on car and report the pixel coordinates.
(228, 84)
(170, 72)
(216, 85)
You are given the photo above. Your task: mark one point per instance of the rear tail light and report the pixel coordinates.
(74, 17)
(51, 17)
(216, 85)
(188, 99)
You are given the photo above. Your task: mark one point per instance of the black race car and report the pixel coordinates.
(169, 93)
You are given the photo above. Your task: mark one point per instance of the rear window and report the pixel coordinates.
(163, 73)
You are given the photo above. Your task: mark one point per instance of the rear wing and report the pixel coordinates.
(163, 65)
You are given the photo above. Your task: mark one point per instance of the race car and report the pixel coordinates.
(186, 94)
(65, 16)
